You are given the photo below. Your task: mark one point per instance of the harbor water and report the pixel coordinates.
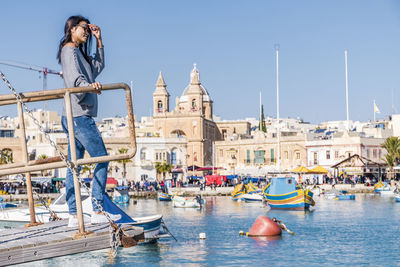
(360, 232)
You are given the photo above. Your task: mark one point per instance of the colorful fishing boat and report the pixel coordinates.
(397, 197)
(383, 188)
(283, 193)
(164, 196)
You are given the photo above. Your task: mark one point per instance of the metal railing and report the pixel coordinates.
(53, 163)
(27, 166)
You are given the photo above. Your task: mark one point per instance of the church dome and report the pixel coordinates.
(195, 87)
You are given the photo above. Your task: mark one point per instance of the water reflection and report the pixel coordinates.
(266, 241)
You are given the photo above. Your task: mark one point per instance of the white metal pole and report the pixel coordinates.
(347, 90)
(278, 160)
(260, 122)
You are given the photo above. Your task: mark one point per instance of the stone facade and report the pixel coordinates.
(191, 119)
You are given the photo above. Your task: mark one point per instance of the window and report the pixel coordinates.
(224, 133)
(221, 153)
(157, 157)
(289, 181)
(336, 154)
(368, 153)
(259, 157)
(272, 155)
(248, 156)
(297, 155)
(315, 158)
(143, 154)
(380, 154)
(173, 157)
(194, 105)
(328, 154)
(374, 154)
(286, 155)
(159, 106)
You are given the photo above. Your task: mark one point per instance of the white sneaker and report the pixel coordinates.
(101, 218)
(73, 222)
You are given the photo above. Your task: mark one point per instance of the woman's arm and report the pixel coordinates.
(98, 60)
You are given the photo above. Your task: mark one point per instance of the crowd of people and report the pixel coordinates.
(145, 185)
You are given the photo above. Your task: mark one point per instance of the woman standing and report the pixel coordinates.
(80, 70)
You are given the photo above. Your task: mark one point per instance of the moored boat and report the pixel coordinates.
(255, 197)
(164, 196)
(188, 202)
(383, 188)
(346, 197)
(282, 193)
(121, 195)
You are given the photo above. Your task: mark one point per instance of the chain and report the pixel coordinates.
(53, 215)
(114, 229)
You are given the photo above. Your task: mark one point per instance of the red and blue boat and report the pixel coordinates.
(283, 193)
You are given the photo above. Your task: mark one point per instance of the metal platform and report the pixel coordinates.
(54, 239)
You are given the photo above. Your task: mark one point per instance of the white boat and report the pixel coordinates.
(188, 202)
(151, 224)
(331, 194)
(254, 197)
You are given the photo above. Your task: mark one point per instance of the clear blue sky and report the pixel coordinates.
(232, 43)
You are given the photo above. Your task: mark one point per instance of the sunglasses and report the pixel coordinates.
(85, 27)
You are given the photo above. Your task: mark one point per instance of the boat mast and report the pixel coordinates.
(278, 160)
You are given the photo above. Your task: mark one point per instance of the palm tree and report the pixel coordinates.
(123, 161)
(88, 168)
(392, 146)
(163, 168)
(6, 156)
(43, 156)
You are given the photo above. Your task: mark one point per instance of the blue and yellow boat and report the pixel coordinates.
(164, 196)
(283, 193)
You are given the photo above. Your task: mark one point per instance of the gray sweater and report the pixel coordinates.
(77, 72)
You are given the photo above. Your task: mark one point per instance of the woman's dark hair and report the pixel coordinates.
(69, 24)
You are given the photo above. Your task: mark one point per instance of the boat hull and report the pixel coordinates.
(252, 197)
(164, 197)
(296, 200)
(346, 197)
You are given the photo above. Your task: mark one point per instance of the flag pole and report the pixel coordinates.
(374, 111)
(347, 90)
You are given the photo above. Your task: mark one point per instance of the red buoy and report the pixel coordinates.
(264, 226)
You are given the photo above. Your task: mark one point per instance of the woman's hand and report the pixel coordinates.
(97, 86)
(97, 33)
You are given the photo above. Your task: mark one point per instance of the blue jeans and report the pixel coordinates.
(87, 137)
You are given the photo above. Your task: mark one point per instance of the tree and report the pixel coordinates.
(88, 168)
(43, 156)
(392, 147)
(123, 161)
(163, 168)
(6, 156)
(261, 124)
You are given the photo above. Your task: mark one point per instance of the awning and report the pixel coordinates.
(191, 167)
(319, 169)
(177, 170)
(301, 169)
(209, 168)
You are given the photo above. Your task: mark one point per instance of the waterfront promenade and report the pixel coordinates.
(193, 191)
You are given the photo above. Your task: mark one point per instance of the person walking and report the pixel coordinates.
(80, 70)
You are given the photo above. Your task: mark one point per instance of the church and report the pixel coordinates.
(192, 119)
